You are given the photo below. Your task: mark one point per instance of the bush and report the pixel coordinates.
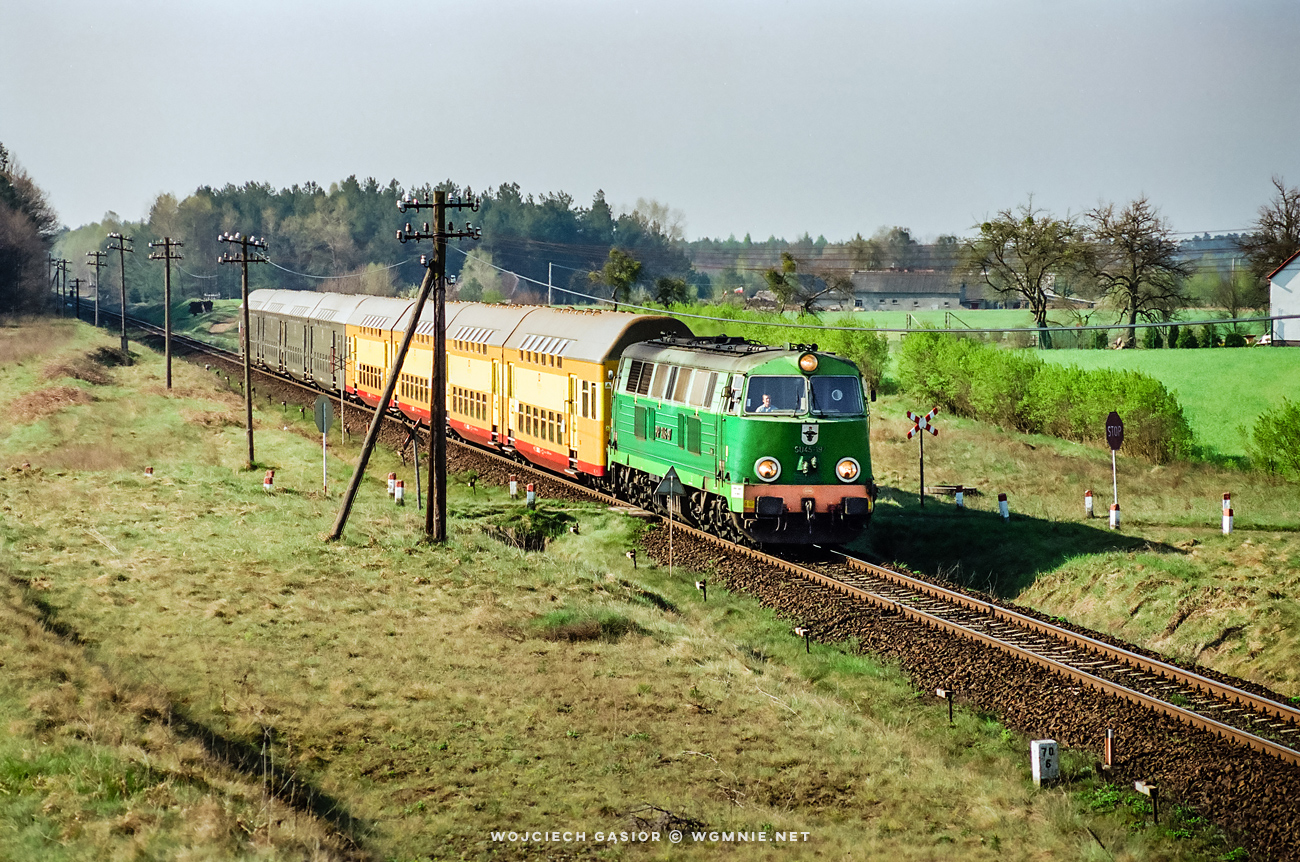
(1234, 339)
(1275, 440)
(1020, 391)
(1172, 340)
(1151, 338)
(1187, 339)
(1210, 336)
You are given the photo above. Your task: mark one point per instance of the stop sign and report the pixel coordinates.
(1114, 431)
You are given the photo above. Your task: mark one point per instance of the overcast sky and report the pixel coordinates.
(750, 117)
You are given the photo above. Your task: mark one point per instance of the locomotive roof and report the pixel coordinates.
(723, 354)
(588, 335)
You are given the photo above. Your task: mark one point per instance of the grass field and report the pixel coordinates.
(176, 647)
(1221, 391)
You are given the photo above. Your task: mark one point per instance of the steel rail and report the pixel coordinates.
(1222, 690)
(1138, 661)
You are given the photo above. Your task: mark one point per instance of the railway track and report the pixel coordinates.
(1253, 734)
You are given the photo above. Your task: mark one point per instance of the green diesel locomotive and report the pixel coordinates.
(771, 444)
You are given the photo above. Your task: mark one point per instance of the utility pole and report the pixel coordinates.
(168, 245)
(98, 263)
(59, 282)
(76, 293)
(244, 259)
(53, 268)
(435, 276)
(121, 249)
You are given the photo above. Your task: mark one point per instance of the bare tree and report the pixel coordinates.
(1276, 234)
(1020, 253)
(1135, 260)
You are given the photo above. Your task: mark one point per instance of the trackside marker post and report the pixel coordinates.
(1109, 761)
(1154, 792)
(1087, 503)
(392, 483)
(946, 694)
(399, 493)
(514, 487)
(1114, 516)
(530, 499)
(1003, 509)
(960, 498)
(1227, 522)
(148, 472)
(1044, 761)
(268, 481)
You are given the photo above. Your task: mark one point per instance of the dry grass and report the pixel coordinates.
(83, 368)
(47, 402)
(22, 340)
(434, 694)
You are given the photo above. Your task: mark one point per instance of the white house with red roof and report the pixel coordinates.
(1284, 299)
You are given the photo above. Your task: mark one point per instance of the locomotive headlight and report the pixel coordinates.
(768, 469)
(847, 469)
(808, 363)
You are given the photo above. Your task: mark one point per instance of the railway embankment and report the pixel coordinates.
(244, 688)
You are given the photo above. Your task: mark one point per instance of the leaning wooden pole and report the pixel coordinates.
(372, 433)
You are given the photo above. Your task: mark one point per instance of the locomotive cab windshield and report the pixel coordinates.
(829, 396)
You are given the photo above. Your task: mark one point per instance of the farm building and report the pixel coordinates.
(901, 290)
(1284, 299)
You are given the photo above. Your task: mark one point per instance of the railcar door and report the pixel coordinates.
(496, 400)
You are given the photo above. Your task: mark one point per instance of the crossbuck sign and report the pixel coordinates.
(922, 423)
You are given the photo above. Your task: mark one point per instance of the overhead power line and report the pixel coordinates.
(783, 325)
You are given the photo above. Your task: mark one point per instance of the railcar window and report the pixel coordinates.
(682, 386)
(837, 396)
(663, 382)
(777, 395)
(702, 388)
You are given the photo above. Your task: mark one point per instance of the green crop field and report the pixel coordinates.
(191, 672)
(1221, 391)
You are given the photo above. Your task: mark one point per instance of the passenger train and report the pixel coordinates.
(771, 444)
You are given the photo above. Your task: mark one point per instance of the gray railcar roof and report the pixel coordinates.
(379, 312)
(336, 308)
(588, 335)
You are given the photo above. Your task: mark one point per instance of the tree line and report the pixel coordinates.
(341, 238)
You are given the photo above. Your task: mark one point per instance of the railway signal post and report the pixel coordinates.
(244, 258)
(435, 276)
(120, 244)
(96, 261)
(919, 424)
(167, 244)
